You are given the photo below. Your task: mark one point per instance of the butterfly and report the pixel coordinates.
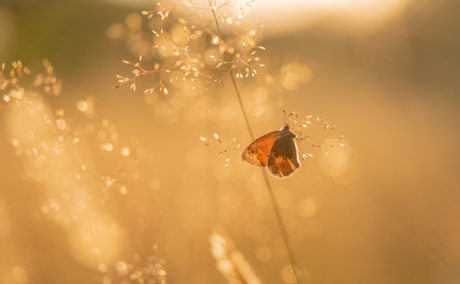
(276, 150)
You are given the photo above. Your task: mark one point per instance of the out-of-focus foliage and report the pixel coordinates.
(113, 186)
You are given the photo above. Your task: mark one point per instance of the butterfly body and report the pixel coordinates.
(276, 150)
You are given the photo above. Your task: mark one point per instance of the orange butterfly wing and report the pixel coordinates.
(276, 150)
(284, 156)
(257, 152)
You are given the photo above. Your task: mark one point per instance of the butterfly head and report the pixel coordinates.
(288, 131)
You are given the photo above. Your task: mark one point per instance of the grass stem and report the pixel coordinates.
(273, 199)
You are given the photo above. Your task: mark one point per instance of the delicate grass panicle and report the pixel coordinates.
(315, 125)
(190, 53)
(181, 50)
(50, 84)
(234, 146)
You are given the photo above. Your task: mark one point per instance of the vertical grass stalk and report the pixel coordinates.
(268, 185)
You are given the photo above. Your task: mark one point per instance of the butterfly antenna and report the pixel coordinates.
(285, 118)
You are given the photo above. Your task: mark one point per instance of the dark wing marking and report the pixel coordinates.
(284, 156)
(258, 151)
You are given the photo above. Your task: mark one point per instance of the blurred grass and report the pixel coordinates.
(393, 93)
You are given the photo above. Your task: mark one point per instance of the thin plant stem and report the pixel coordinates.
(251, 134)
(282, 226)
(273, 199)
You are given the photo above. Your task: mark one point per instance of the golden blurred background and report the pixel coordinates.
(103, 185)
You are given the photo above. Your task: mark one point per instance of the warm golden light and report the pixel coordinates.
(93, 236)
(229, 141)
(352, 16)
